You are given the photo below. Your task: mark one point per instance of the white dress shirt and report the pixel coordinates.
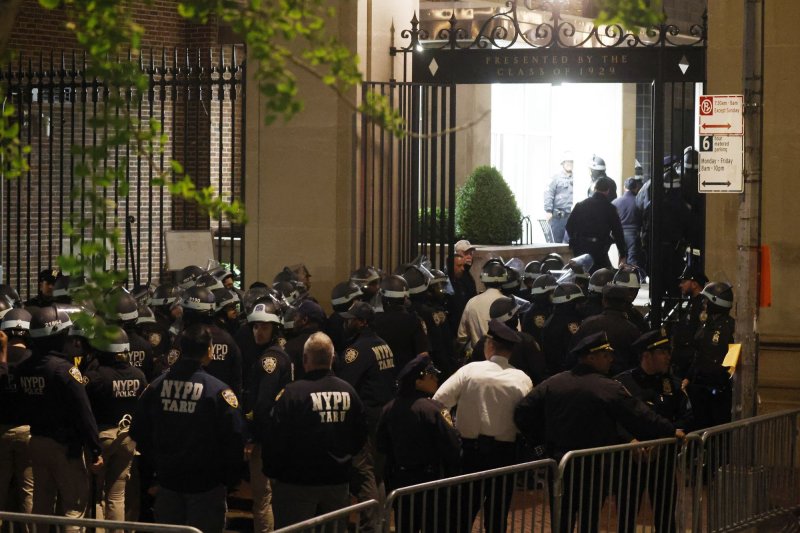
(486, 393)
(475, 319)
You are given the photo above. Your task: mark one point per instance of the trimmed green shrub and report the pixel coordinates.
(486, 210)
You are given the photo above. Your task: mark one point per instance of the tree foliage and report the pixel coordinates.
(486, 210)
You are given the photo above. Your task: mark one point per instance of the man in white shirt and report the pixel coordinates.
(486, 393)
(475, 319)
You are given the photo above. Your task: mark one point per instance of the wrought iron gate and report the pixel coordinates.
(406, 191)
(197, 96)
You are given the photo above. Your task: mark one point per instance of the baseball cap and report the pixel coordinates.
(463, 246)
(359, 310)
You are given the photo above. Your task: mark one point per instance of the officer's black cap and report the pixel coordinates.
(652, 340)
(693, 273)
(597, 342)
(416, 368)
(49, 275)
(311, 310)
(501, 333)
(360, 310)
(615, 293)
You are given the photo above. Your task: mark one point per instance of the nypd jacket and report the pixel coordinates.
(190, 425)
(56, 403)
(113, 390)
(368, 365)
(662, 393)
(316, 427)
(270, 374)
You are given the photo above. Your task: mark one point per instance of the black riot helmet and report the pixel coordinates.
(719, 294)
(417, 277)
(628, 279)
(504, 309)
(600, 279)
(566, 293)
(343, 294)
(689, 164)
(367, 279)
(61, 289)
(10, 294)
(209, 282)
(494, 273)
(394, 290)
(440, 286)
(16, 323)
(532, 270)
(164, 295)
(597, 167)
(513, 282)
(253, 295)
(198, 305)
(551, 263)
(285, 275)
(288, 290)
(188, 275)
(126, 310)
(49, 327)
(543, 284)
(113, 345)
(146, 316)
(223, 298)
(5, 307)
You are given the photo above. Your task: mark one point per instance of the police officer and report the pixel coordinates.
(47, 278)
(417, 435)
(198, 305)
(402, 330)
(675, 235)
(430, 304)
(316, 428)
(226, 310)
(187, 277)
(190, 423)
(583, 408)
(562, 326)
(271, 371)
(629, 280)
(63, 428)
(113, 387)
(694, 199)
(164, 296)
(309, 318)
(15, 434)
(652, 383)
(593, 224)
(597, 169)
(125, 313)
(594, 295)
(475, 320)
(558, 198)
(153, 331)
(708, 382)
(534, 320)
(532, 271)
(342, 297)
(369, 366)
(10, 295)
(368, 281)
(621, 332)
(485, 393)
(692, 281)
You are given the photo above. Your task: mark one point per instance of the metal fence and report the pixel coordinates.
(197, 98)
(31, 523)
(337, 521)
(749, 471)
(513, 498)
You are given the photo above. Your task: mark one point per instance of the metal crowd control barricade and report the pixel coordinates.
(335, 521)
(453, 504)
(34, 523)
(605, 489)
(749, 472)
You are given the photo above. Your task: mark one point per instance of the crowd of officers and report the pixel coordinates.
(188, 387)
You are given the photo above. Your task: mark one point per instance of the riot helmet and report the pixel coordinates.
(253, 295)
(5, 307)
(223, 298)
(690, 161)
(16, 323)
(551, 263)
(566, 293)
(367, 279)
(209, 282)
(504, 309)
(285, 275)
(112, 345)
(126, 311)
(146, 316)
(198, 304)
(494, 273)
(61, 289)
(188, 275)
(288, 290)
(343, 294)
(600, 279)
(720, 294)
(598, 163)
(418, 278)
(513, 282)
(628, 279)
(394, 290)
(532, 270)
(48, 322)
(164, 295)
(544, 284)
(10, 294)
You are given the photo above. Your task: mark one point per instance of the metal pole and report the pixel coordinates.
(749, 227)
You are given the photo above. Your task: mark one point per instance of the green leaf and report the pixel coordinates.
(49, 4)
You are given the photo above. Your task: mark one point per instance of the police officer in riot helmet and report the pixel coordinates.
(207, 281)
(527, 354)
(368, 281)
(692, 196)
(16, 433)
(160, 302)
(226, 310)
(708, 382)
(177, 408)
(148, 327)
(594, 295)
(514, 270)
(629, 280)
(198, 305)
(561, 327)
(113, 387)
(534, 320)
(188, 275)
(342, 296)
(532, 271)
(61, 290)
(597, 168)
(428, 296)
(309, 318)
(63, 428)
(125, 314)
(403, 330)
